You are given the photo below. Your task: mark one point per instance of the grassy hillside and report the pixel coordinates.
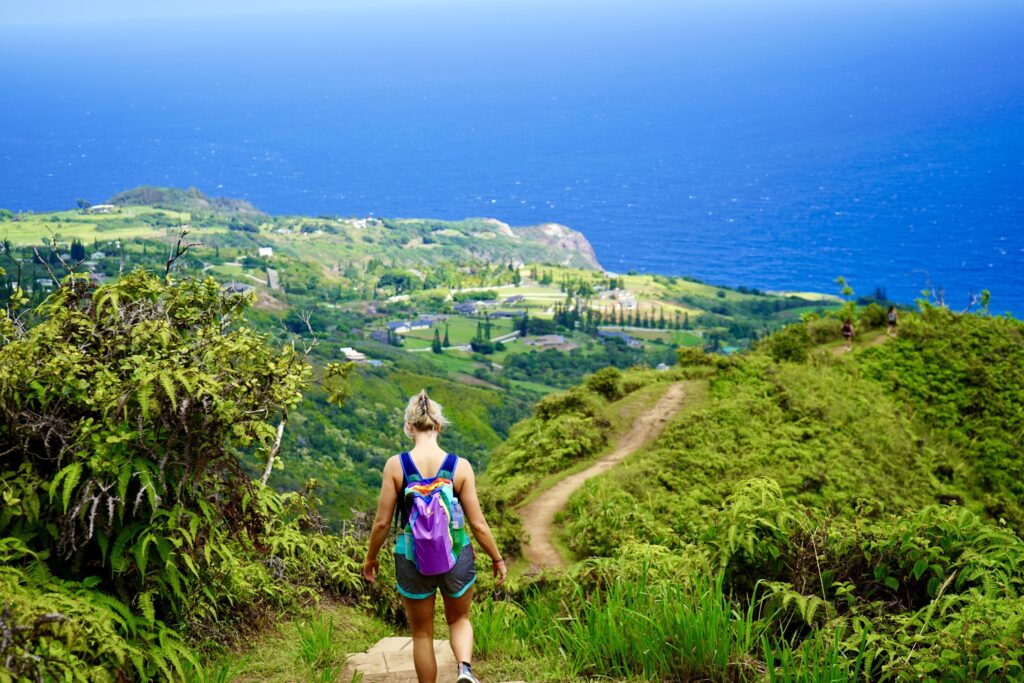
(857, 515)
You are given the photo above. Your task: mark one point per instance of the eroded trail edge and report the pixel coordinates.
(538, 516)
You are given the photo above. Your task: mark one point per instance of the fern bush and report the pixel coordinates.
(131, 416)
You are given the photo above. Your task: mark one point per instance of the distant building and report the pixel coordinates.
(518, 298)
(101, 208)
(44, 283)
(399, 326)
(631, 342)
(465, 307)
(662, 367)
(421, 324)
(265, 252)
(353, 356)
(97, 255)
(546, 340)
(380, 336)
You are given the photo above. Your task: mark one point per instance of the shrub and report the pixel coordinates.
(872, 317)
(791, 343)
(606, 382)
(688, 356)
(825, 330)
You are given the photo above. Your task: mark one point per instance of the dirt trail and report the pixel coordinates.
(539, 515)
(880, 339)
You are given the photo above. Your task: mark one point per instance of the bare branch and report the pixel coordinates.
(305, 317)
(273, 452)
(178, 251)
(46, 265)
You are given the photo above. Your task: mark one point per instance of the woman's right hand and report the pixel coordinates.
(370, 569)
(498, 568)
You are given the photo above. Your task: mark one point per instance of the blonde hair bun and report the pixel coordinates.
(423, 414)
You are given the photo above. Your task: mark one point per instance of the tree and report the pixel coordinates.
(77, 251)
(435, 345)
(82, 204)
(446, 343)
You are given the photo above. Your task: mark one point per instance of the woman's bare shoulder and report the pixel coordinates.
(393, 466)
(463, 471)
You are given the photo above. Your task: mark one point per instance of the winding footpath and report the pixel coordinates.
(538, 516)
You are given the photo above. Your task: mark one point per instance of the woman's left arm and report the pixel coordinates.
(381, 523)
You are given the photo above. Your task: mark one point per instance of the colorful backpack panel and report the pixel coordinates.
(434, 536)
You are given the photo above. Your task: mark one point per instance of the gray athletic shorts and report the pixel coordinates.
(453, 583)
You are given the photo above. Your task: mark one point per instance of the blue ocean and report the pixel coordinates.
(772, 145)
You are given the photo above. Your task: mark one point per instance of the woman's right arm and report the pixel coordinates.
(385, 512)
(475, 516)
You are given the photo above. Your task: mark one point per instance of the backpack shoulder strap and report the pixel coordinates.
(448, 466)
(409, 468)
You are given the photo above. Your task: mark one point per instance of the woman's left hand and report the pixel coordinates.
(370, 569)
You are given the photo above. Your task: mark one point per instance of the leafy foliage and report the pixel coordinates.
(126, 414)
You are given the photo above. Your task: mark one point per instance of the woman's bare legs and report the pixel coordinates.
(456, 613)
(421, 619)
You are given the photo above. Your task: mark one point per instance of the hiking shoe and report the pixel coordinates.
(466, 674)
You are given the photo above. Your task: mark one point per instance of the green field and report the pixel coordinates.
(460, 330)
(127, 223)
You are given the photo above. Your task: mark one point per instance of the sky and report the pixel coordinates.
(22, 12)
(19, 12)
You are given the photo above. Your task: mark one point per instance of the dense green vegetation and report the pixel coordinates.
(175, 459)
(127, 415)
(330, 282)
(563, 370)
(856, 516)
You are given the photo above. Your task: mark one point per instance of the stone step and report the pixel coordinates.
(390, 661)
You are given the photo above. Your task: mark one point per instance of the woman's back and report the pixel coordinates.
(428, 459)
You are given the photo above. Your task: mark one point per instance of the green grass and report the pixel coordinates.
(632, 629)
(300, 650)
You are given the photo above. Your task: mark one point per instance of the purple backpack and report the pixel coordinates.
(434, 534)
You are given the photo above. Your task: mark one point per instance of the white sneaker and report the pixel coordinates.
(466, 674)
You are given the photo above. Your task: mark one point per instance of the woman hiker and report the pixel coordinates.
(891, 318)
(427, 484)
(848, 333)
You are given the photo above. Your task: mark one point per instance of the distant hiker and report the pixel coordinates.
(848, 333)
(891, 318)
(433, 549)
